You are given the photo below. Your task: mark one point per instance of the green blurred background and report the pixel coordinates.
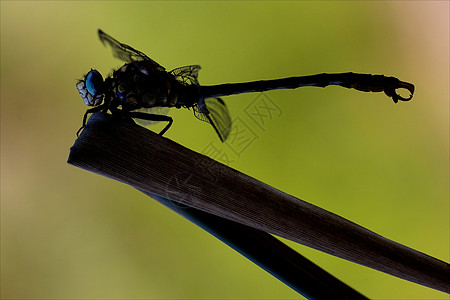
(67, 233)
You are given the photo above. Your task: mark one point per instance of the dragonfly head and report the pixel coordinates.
(91, 88)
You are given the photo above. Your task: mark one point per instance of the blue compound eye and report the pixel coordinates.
(94, 83)
(92, 88)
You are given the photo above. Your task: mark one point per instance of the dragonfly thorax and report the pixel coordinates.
(136, 85)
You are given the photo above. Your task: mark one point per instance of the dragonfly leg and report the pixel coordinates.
(89, 111)
(153, 117)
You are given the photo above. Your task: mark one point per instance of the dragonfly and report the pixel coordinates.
(143, 90)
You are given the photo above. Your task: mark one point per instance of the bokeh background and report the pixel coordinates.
(67, 233)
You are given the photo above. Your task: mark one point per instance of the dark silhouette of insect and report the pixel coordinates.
(145, 90)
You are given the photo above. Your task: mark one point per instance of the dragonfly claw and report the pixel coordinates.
(391, 91)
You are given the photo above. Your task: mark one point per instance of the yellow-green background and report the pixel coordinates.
(67, 233)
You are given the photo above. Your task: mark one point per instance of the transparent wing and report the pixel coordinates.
(125, 52)
(158, 110)
(187, 75)
(215, 113)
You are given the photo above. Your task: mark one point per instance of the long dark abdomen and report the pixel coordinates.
(361, 82)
